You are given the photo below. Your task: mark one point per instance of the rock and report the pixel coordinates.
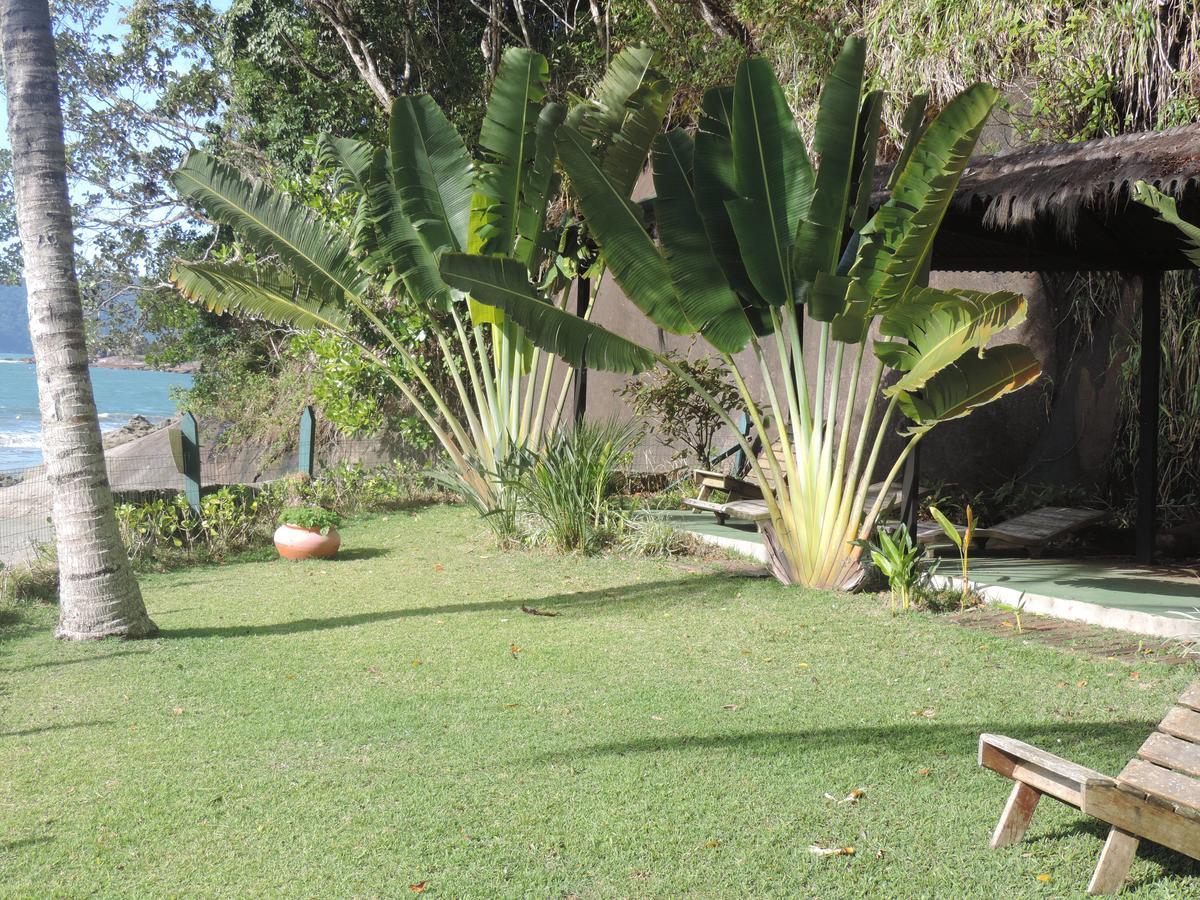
(136, 427)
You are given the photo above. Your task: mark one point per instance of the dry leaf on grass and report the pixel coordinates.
(853, 797)
(419, 887)
(539, 612)
(816, 850)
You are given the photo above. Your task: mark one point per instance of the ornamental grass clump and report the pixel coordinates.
(752, 244)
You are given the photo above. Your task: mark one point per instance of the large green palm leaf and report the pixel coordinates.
(818, 245)
(697, 275)
(1168, 211)
(273, 223)
(624, 114)
(936, 327)
(772, 176)
(974, 381)
(632, 257)
(432, 171)
(504, 282)
(897, 242)
(258, 293)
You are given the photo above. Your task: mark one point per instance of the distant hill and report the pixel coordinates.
(14, 320)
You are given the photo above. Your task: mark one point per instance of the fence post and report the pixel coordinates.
(308, 429)
(190, 432)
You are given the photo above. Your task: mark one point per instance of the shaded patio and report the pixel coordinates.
(1105, 591)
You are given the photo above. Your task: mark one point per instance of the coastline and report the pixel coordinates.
(135, 364)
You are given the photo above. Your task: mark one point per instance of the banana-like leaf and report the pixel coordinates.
(772, 177)
(399, 244)
(350, 158)
(509, 142)
(937, 327)
(897, 242)
(973, 381)
(624, 114)
(865, 148)
(819, 242)
(714, 182)
(1168, 211)
(912, 126)
(538, 187)
(260, 294)
(633, 259)
(695, 271)
(504, 282)
(432, 171)
(273, 223)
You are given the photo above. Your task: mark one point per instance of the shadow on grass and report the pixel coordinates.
(918, 739)
(645, 595)
(26, 732)
(354, 553)
(21, 843)
(55, 663)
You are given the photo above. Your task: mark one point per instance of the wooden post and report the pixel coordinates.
(1146, 477)
(190, 433)
(910, 498)
(583, 299)
(739, 459)
(308, 430)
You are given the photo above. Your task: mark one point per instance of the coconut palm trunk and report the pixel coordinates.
(98, 594)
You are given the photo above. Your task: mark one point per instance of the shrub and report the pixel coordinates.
(645, 534)
(682, 420)
(33, 581)
(566, 489)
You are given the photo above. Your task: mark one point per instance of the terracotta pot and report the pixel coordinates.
(295, 542)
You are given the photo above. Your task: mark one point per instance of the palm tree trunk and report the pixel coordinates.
(98, 594)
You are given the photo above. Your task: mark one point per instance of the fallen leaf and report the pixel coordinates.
(416, 662)
(1044, 877)
(711, 843)
(419, 887)
(514, 650)
(926, 713)
(816, 850)
(1135, 674)
(923, 772)
(539, 612)
(1082, 683)
(657, 718)
(511, 705)
(178, 710)
(731, 706)
(374, 670)
(437, 567)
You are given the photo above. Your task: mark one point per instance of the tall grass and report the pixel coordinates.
(567, 487)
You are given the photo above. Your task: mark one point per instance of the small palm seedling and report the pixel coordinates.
(962, 542)
(898, 557)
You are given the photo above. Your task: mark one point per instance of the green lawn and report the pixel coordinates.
(352, 728)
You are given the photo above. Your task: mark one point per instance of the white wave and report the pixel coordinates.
(25, 440)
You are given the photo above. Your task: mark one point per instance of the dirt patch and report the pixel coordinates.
(1106, 643)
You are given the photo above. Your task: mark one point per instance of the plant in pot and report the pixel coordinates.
(308, 532)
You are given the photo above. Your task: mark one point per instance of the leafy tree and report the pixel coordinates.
(752, 236)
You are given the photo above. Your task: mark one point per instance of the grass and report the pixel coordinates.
(352, 728)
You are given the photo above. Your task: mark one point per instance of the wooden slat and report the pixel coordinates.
(1171, 753)
(1060, 778)
(703, 505)
(1161, 784)
(1145, 818)
(1191, 697)
(1182, 723)
(1041, 526)
(747, 509)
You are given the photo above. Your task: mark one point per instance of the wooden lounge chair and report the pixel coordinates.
(1156, 797)
(1035, 530)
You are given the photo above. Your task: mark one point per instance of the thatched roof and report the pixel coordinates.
(1067, 206)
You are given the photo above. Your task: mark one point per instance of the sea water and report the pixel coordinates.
(120, 394)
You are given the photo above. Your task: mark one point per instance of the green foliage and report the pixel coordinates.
(962, 543)
(745, 239)
(309, 517)
(164, 533)
(898, 558)
(682, 419)
(32, 581)
(566, 489)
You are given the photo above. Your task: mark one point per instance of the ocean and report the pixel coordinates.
(120, 394)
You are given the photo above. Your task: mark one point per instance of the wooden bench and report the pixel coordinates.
(1035, 530)
(1156, 797)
